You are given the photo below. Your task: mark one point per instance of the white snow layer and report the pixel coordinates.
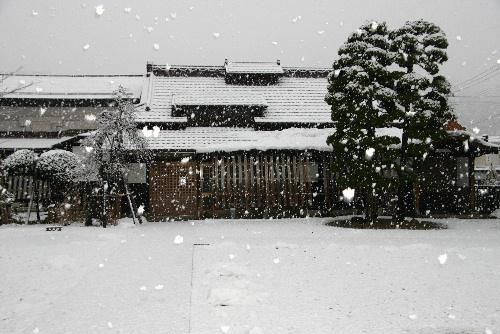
(328, 280)
(212, 139)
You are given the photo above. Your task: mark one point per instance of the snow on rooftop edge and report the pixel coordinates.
(205, 140)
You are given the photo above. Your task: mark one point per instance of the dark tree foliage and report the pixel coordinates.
(386, 79)
(360, 94)
(419, 47)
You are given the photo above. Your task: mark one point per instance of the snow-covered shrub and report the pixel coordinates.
(19, 162)
(59, 166)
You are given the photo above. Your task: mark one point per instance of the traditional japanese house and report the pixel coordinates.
(245, 139)
(248, 139)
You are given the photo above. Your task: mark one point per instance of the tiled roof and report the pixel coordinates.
(213, 139)
(254, 68)
(292, 99)
(49, 119)
(70, 86)
(218, 98)
(30, 143)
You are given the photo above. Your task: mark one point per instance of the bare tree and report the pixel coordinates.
(9, 90)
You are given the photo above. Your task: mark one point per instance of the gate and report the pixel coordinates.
(173, 190)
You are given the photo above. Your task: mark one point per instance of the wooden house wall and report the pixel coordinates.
(243, 184)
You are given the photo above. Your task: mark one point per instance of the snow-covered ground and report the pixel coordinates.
(242, 276)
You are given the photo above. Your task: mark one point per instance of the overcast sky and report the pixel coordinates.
(49, 36)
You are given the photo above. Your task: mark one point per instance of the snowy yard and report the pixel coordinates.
(261, 276)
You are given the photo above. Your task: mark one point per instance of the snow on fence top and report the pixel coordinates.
(213, 139)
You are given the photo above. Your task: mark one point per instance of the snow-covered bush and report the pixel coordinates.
(59, 166)
(19, 162)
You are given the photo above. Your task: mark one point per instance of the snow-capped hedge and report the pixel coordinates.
(19, 162)
(58, 165)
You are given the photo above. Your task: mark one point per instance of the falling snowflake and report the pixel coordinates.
(27, 122)
(369, 153)
(39, 89)
(88, 149)
(412, 316)
(276, 260)
(274, 43)
(374, 25)
(173, 15)
(140, 211)
(86, 47)
(110, 325)
(498, 61)
(443, 258)
(101, 265)
(216, 35)
(156, 46)
(185, 160)
(451, 316)
(459, 38)
(127, 10)
(90, 117)
(137, 17)
(231, 256)
(143, 288)
(348, 194)
(476, 130)
(99, 10)
(224, 329)
(34, 13)
(178, 240)
(159, 287)
(36, 330)
(42, 111)
(321, 32)
(149, 29)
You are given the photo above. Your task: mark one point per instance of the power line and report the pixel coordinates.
(480, 80)
(486, 71)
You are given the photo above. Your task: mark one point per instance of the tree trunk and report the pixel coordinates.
(88, 214)
(104, 217)
(371, 207)
(37, 201)
(399, 210)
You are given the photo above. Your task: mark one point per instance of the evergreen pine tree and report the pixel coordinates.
(419, 47)
(360, 95)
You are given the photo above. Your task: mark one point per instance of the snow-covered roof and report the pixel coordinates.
(219, 98)
(48, 119)
(70, 86)
(253, 68)
(30, 143)
(213, 139)
(292, 99)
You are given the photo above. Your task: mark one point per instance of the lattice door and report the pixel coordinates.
(174, 190)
